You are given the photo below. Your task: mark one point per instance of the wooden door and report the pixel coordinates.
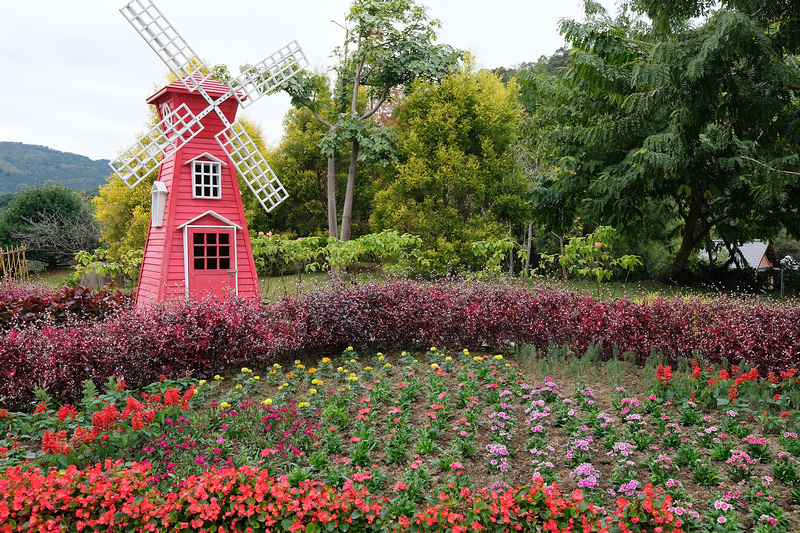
(212, 262)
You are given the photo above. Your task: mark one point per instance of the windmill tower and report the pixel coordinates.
(197, 244)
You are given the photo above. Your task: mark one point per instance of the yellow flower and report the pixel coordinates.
(312, 391)
(238, 385)
(466, 352)
(434, 366)
(195, 392)
(388, 365)
(303, 404)
(415, 361)
(224, 405)
(325, 360)
(280, 388)
(448, 358)
(315, 381)
(285, 384)
(349, 349)
(202, 382)
(353, 361)
(403, 354)
(217, 377)
(381, 358)
(256, 377)
(301, 367)
(246, 370)
(297, 361)
(352, 378)
(498, 357)
(276, 365)
(477, 358)
(340, 369)
(367, 368)
(507, 365)
(380, 353)
(268, 401)
(433, 348)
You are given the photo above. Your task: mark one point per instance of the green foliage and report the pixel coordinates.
(388, 43)
(392, 252)
(25, 165)
(38, 204)
(696, 122)
(98, 263)
(455, 183)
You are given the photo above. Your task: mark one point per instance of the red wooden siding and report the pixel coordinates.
(163, 272)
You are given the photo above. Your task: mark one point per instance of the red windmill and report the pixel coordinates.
(197, 244)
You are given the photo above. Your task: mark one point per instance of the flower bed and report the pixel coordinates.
(425, 442)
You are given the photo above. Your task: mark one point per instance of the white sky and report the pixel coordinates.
(76, 74)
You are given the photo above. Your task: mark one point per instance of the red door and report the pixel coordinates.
(212, 262)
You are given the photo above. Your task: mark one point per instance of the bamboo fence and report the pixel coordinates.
(13, 265)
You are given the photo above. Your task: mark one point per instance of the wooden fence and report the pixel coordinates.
(13, 265)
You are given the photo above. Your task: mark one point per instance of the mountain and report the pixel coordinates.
(25, 165)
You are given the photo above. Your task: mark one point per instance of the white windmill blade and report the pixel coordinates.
(266, 75)
(165, 41)
(163, 139)
(252, 167)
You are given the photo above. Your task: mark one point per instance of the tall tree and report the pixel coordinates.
(703, 119)
(388, 44)
(53, 211)
(456, 181)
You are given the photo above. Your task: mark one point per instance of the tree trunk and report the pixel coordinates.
(333, 224)
(528, 248)
(347, 210)
(688, 242)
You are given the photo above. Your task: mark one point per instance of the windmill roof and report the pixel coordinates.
(214, 88)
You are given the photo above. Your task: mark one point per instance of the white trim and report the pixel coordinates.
(186, 227)
(221, 218)
(186, 260)
(206, 180)
(208, 156)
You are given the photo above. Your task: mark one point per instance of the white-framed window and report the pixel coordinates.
(206, 179)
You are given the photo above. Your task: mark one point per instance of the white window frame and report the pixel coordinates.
(200, 174)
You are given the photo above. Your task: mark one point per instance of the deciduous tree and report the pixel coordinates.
(388, 44)
(702, 121)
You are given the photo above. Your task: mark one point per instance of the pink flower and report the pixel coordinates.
(399, 486)
(355, 439)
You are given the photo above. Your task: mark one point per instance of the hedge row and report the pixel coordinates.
(206, 337)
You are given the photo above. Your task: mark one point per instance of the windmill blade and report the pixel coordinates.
(165, 41)
(266, 75)
(252, 167)
(176, 129)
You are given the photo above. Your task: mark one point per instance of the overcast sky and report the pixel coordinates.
(75, 74)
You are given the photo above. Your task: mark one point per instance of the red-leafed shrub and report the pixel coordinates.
(21, 305)
(206, 337)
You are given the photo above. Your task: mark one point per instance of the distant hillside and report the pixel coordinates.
(25, 165)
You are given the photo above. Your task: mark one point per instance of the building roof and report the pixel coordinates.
(214, 88)
(752, 251)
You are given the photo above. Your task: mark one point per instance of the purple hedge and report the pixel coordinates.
(206, 337)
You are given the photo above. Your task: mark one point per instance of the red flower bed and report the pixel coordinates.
(113, 497)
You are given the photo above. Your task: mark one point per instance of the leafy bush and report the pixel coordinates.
(31, 305)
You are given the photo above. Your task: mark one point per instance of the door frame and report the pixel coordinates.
(225, 224)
